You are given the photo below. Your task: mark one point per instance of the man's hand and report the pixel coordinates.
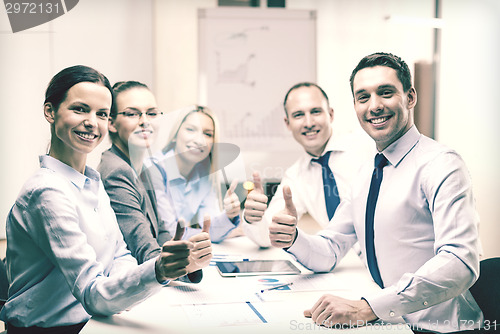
(174, 257)
(201, 254)
(231, 201)
(256, 202)
(330, 310)
(283, 227)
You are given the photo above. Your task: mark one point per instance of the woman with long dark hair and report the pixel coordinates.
(66, 257)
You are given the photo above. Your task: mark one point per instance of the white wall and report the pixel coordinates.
(469, 115)
(113, 36)
(176, 51)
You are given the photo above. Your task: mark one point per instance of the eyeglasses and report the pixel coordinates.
(136, 114)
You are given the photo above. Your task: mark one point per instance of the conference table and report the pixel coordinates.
(243, 304)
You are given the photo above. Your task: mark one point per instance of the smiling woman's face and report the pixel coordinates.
(138, 132)
(195, 138)
(80, 122)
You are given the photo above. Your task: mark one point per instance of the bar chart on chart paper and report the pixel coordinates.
(256, 126)
(248, 59)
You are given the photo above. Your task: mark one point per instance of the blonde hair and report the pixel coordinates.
(212, 156)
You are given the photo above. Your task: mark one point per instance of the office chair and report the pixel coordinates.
(4, 284)
(486, 290)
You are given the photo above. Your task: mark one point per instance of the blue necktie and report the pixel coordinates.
(332, 199)
(380, 162)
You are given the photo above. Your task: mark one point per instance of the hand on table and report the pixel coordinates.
(174, 257)
(283, 227)
(256, 202)
(201, 253)
(330, 310)
(231, 201)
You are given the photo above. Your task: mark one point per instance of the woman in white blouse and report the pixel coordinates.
(184, 176)
(66, 257)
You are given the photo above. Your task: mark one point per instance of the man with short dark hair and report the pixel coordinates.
(413, 215)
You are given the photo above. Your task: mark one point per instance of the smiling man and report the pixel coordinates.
(321, 176)
(413, 215)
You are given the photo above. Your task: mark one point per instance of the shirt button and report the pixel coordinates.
(425, 303)
(391, 313)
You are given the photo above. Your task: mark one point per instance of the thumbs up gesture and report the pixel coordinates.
(174, 257)
(231, 201)
(283, 227)
(256, 202)
(201, 253)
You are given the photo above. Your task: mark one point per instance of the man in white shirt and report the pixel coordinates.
(420, 236)
(309, 117)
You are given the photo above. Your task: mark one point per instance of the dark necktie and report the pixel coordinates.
(332, 199)
(380, 162)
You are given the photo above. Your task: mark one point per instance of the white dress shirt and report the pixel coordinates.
(426, 236)
(306, 182)
(66, 258)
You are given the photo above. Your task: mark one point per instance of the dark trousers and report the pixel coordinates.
(73, 329)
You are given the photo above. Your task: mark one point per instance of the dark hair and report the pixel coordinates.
(58, 87)
(120, 87)
(303, 84)
(388, 60)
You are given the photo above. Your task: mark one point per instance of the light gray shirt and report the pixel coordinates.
(189, 200)
(66, 258)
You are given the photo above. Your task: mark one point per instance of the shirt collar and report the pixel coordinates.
(172, 170)
(396, 152)
(78, 179)
(331, 145)
(170, 165)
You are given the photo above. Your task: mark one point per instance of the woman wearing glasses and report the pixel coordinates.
(66, 257)
(133, 127)
(184, 177)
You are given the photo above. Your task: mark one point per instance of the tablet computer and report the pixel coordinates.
(256, 267)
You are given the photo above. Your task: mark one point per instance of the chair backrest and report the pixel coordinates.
(486, 290)
(4, 284)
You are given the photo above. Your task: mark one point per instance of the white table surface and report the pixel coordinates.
(217, 304)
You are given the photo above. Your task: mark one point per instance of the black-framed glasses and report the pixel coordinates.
(136, 114)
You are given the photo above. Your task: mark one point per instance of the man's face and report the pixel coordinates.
(309, 118)
(384, 110)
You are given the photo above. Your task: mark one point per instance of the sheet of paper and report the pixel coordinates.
(252, 288)
(185, 293)
(307, 282)
(230, 314)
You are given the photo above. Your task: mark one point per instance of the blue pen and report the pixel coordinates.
(276, 287)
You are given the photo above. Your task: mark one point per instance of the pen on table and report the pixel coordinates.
(219, 258)
(228, 257)
(276, 287)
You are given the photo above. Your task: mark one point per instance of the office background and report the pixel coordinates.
(156, 41)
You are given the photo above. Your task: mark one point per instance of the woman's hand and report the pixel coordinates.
(201, 253)
(232, 202)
